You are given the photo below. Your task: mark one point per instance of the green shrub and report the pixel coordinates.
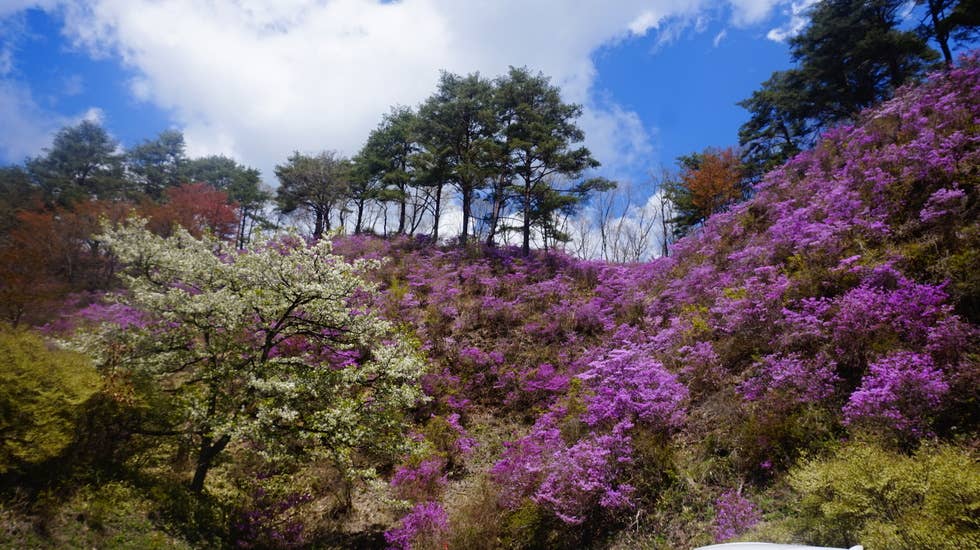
(885, 500)
(41, 391)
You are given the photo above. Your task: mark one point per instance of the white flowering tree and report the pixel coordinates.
(267, 345)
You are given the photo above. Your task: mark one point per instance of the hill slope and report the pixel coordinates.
(670, 403)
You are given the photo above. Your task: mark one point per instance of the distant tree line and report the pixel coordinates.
(51, 205)
(507, 149)
(85, 163)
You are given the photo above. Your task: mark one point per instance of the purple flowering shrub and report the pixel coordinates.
(900, 391)
(424, 527)
(734, 514)
(420, 483)
(569, 480)
(627, 386)
(270, 520)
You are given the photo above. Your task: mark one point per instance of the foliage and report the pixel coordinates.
(537, 142)
(567, 402)
(422, 528)
(50, 254)
(900, 390)
(789, 321)
(42, 390)
(947, 20)
(850, 55)
(734, 514)
(81, 163)
(242, 184)
(16, 194)
(387, 158)
(868, 495)
(158, 164)
(317, 183)
(265, 346)
(709, 181)
(457, 126)
(196, 207)
(270, 519)
(110, 515)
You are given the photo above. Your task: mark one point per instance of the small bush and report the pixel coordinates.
(41, 392)
(881, 499)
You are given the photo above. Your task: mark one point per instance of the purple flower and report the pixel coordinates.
(900, 392)
(424, 526)
(420, 483)
(734, 514)
(629, 384)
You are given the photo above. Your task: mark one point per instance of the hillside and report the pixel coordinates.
(831, 316)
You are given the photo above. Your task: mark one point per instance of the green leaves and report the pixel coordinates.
(81, 163)
(851, 55)
(317, 183)
(41, 390)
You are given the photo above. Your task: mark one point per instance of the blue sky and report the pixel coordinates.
(256, 80)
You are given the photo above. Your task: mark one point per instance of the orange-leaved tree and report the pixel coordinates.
(709, 181)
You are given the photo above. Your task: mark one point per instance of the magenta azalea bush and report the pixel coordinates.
(734, 514)
(900, 390)
(424, 526)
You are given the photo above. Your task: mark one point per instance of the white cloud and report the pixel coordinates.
(257, 79)
(644, 22)
(618, 139)
(92, 114)
(73, 85)
(719, 37)
(27, 128)
(797, 21)
(749, 12)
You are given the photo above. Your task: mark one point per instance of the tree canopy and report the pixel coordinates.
(82, 162)
(264, 346)
(537, 142)
(314, 183)
(158, 164)
(457, 125)
(850, 55)
(708, 182)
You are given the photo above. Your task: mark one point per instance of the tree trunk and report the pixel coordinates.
(436, 213)
(360, 215)
(467, 199)
(205, 457)
(317, 224)
(941, 31)
(401, 210)
(241, 229)
(495, 211)
(526, 228)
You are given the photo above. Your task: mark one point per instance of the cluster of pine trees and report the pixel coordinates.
(508, 148)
